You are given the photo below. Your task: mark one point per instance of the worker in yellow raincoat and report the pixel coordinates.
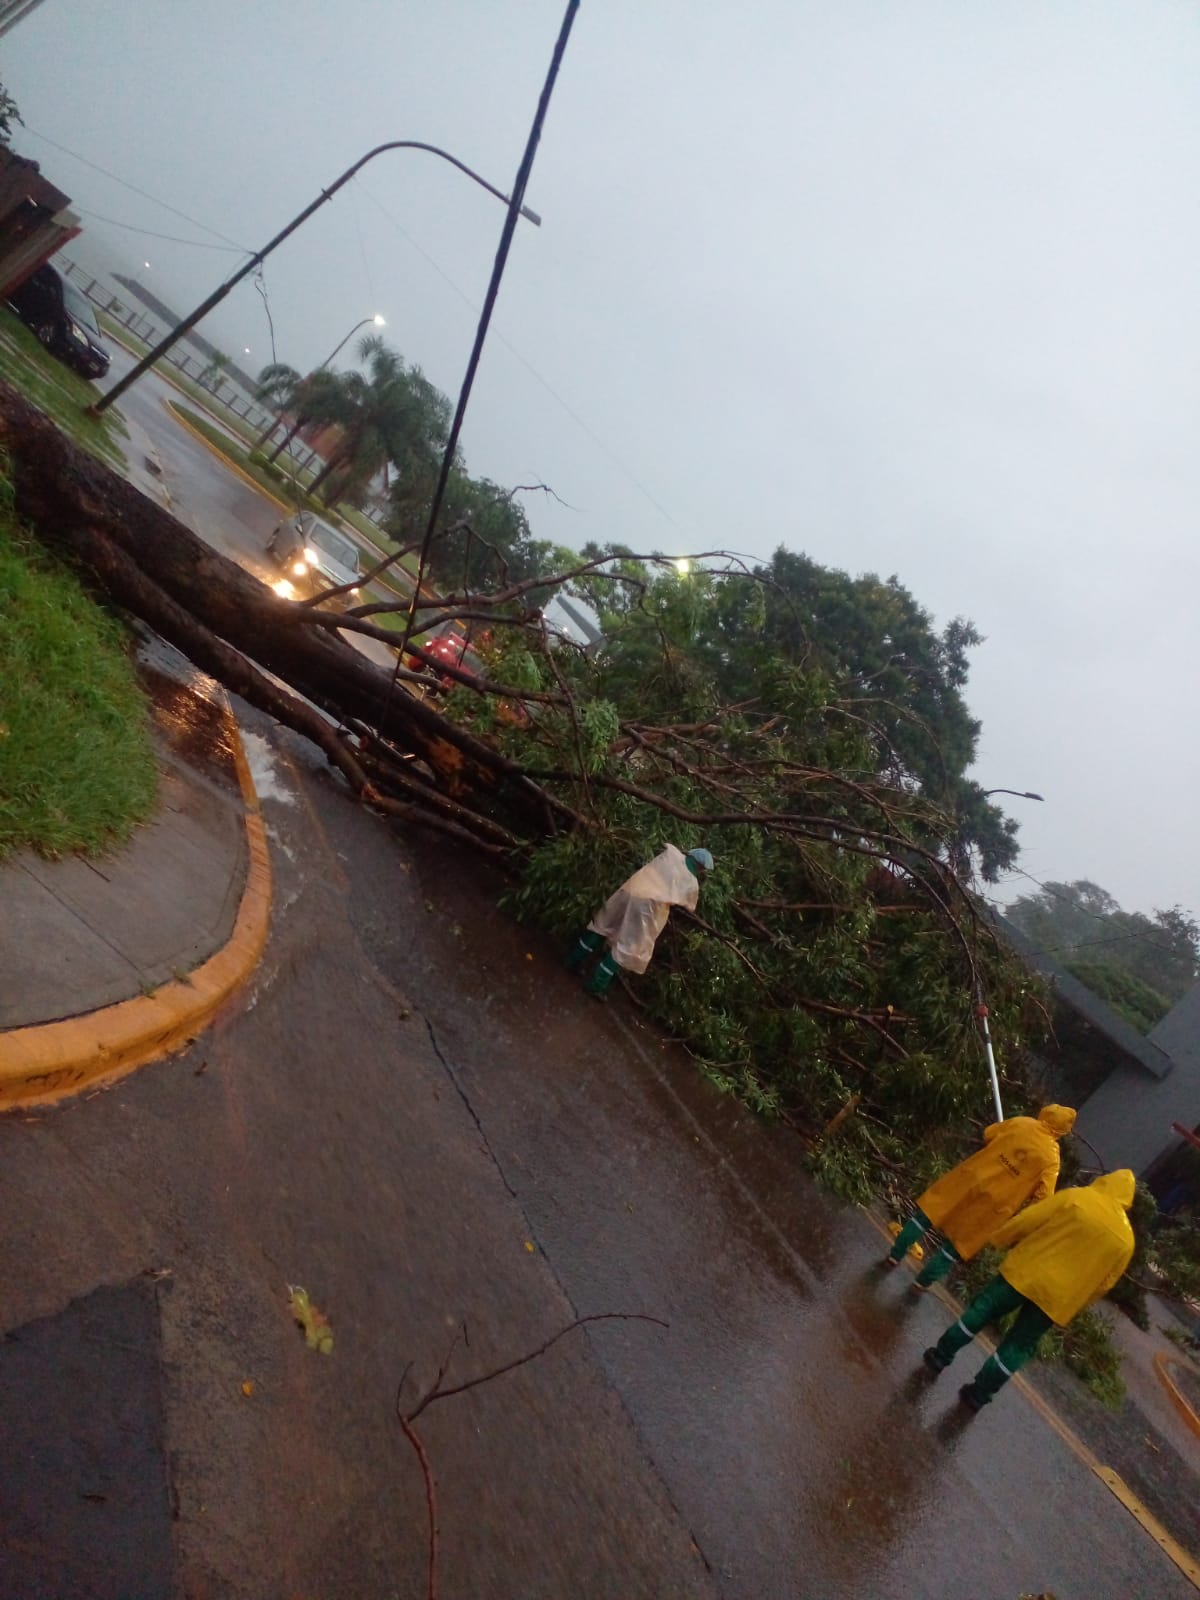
(1066, 1252)
(1018, 1163)
(631, 919)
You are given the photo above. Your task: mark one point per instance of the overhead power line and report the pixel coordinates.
(1097, 916)
(134, 189)
(149, 233)
(622, 466)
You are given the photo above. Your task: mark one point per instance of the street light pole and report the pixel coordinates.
(376, 319)
(279, 415)
(259, 256)
(1021, 794)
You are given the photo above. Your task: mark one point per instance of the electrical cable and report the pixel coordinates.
(362, 247)
(196, 244)
(1098, 916)
(612, 455)
(260, 283)
(133, 188)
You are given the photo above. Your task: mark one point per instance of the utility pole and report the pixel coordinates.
(14, 11)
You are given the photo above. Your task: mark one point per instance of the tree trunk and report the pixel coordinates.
(289, 435)
(224, 618)
(330, 466)
(266, 433)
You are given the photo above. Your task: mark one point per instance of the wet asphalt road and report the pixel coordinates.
(210, 499)
(416, 1114)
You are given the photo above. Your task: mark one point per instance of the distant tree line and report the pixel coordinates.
(1140, 964)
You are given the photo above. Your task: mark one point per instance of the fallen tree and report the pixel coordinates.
(829, 974)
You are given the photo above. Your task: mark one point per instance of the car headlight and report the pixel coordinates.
(310, 556)
(300, 568)
(284, 588)
(77, 333)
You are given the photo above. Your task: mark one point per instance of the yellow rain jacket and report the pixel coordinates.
(1018, 1162)
(632, 918)
(1069, 1250)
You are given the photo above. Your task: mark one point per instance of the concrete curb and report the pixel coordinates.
(219, 455)
(1161, 1362)
(45, 1063)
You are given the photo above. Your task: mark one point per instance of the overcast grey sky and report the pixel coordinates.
(910, 287)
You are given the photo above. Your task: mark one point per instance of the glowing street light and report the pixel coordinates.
(683, 566)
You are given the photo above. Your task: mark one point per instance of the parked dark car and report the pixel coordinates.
(63, 320)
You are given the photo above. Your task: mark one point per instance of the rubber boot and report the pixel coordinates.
(955, 1338)
(972, 1399)
(989, 1380)
(586, 945)
(601, 979)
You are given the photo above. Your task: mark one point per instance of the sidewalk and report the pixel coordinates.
(128, 939)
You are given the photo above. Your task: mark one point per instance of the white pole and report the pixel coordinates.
(982, 1013)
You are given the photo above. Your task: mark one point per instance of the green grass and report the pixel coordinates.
(241, 459)
(77, 767)
(62, 394)
(180, 380)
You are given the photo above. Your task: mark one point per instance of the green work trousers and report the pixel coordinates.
(606, 968)
(939, 1263)
(994, 1301)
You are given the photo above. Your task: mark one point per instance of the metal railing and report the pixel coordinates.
(225, 394)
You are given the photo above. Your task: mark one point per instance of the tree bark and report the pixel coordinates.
(226, 620)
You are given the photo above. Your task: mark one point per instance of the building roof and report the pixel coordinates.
(1146, 1053)
(1179, 1031)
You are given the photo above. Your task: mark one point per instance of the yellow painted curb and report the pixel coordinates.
(1170, 1547)
(251, 483)
(44, 1063)
(1161, 1362)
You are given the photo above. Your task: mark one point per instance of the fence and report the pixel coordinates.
(198, 372)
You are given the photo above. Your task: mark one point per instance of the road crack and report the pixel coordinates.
(466, 1100)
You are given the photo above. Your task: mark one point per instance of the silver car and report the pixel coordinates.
(314, 557)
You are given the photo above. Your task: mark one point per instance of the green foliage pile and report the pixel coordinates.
(1175, 1253)
(833, 957)
(77, 767)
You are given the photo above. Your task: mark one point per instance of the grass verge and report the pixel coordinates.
(276, 488)
(77, 766)
(56, 390)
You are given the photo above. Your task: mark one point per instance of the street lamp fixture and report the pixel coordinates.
(376, 320)
(1021, 794)
(259, 256)
(683, 566)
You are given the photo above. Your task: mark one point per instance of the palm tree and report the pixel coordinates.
(390, 414)
(214, 373)
(314, 399)
(276, 387)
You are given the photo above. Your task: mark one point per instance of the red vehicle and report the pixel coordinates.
(451, 650)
